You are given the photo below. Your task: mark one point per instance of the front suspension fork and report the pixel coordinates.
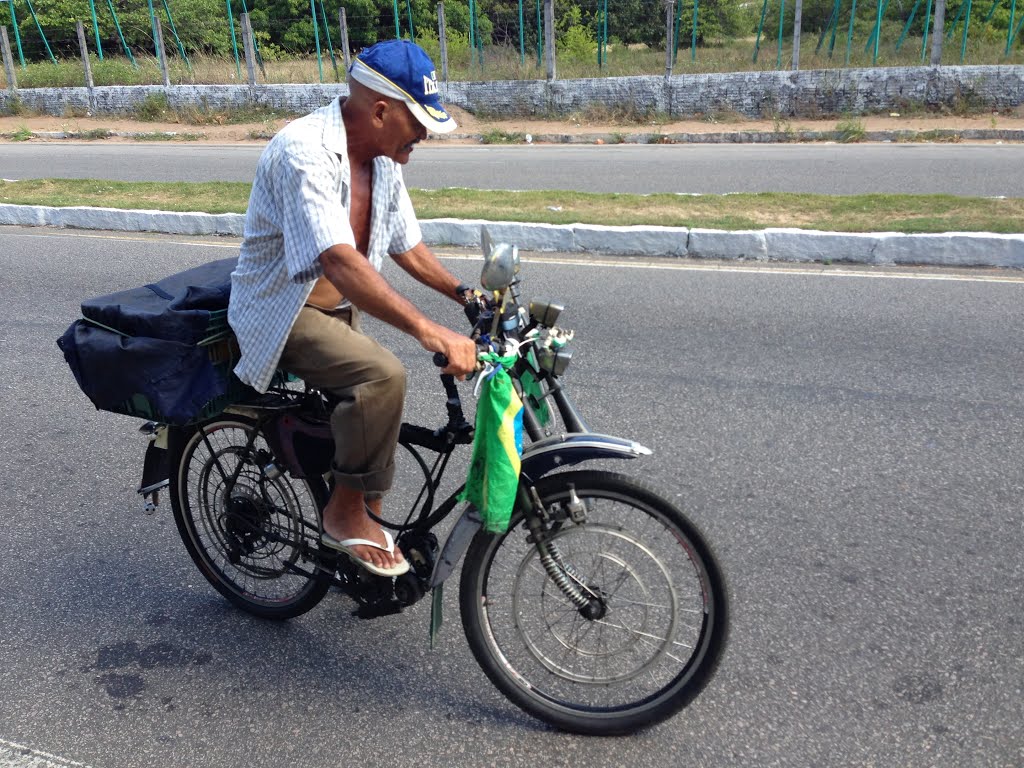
(566, 578)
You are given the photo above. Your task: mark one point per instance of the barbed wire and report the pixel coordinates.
(499, 23)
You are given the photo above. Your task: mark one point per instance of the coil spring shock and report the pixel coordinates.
(561, 573)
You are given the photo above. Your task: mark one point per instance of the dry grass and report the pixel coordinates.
(503, 62)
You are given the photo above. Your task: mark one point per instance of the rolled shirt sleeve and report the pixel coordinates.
(320, 221)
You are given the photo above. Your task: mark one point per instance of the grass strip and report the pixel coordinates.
(834, 213)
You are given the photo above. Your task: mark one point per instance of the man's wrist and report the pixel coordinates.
(460, 293)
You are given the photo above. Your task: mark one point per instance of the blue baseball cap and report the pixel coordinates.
(402, 70)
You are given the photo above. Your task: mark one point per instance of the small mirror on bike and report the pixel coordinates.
(501, 263)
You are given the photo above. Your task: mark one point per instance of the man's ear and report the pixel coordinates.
(380, 108)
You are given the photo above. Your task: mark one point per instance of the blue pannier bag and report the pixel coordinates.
(162, 351)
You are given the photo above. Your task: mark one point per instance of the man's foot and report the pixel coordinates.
(348, 529)
(348, 546)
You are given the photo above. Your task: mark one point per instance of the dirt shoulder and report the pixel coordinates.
(471, 129)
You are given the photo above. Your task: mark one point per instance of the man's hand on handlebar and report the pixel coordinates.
(458, 349)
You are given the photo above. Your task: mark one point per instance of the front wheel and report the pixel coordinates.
(613, 623)
(252, 531)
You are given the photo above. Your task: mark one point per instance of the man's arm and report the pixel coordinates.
(351, 273)
(422, 264)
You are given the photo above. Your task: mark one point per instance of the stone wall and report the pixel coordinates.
(808, 94)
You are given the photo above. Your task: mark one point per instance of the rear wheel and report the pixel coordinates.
(615, 623)
(256, 539)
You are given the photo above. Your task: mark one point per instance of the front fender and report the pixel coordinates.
(559, 451)
(538, 459)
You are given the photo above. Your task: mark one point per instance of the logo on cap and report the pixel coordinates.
(430, 83)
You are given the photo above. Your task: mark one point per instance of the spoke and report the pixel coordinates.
(644, 636)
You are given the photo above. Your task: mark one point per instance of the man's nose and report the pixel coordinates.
(422, 135)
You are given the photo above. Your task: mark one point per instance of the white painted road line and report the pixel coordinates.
(14, 755)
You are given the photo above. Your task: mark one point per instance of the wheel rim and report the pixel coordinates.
(253, 540)
(645, 648)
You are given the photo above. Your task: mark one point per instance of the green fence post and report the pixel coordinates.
(782, 13)
(316, 36)
(956, 21)
(234, 40)
(412, 29)
(1017, 31)
(96, 28)
(760, 26)
(40, 28)
(849, 35)
(174, 31)
(1009, 27)
(967, 25)
(878, 31)
(398, 32)
(910, 20)
(540, 37)
(152, 24)
(604, 29)
(874, 37)
(330, 45)
(835, 31)
(829, 25)
(927, 24)
(988, 16)
(693, 37)
(522, 40)
(676, 25)
(17, 35)
(120, 34)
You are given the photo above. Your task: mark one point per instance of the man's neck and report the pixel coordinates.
(360, 151)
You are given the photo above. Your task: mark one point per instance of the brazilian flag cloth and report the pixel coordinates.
(497, 446)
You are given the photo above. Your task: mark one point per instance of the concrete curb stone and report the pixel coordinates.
(793, 136)
(775, 244)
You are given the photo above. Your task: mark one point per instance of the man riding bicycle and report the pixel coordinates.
(328, 203)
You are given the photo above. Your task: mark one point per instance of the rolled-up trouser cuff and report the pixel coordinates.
(372, 484)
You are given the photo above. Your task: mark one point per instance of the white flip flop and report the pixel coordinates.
(345, 547)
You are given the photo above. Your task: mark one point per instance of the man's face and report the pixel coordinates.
(402, 131)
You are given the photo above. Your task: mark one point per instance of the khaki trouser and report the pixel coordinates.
(328, 351)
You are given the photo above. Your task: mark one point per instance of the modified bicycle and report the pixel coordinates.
(601, 609)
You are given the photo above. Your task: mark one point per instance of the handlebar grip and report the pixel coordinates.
(440, 360)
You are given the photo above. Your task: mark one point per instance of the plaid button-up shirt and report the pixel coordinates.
(299, 207)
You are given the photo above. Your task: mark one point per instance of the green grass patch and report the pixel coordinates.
(211, 197)
(166, 136)
(94, 134)
(850, 131)
(836, 213)
(503, 137)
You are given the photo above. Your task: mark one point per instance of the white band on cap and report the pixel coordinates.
(375, 81)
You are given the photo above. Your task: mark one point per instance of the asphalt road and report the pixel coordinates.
(849, 444)
(958, 169)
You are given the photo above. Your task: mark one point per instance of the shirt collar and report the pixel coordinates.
(334, 137)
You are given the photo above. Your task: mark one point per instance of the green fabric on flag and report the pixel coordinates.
(497, 446)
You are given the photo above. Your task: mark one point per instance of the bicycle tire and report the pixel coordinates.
(260, 548)
(577, 672)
